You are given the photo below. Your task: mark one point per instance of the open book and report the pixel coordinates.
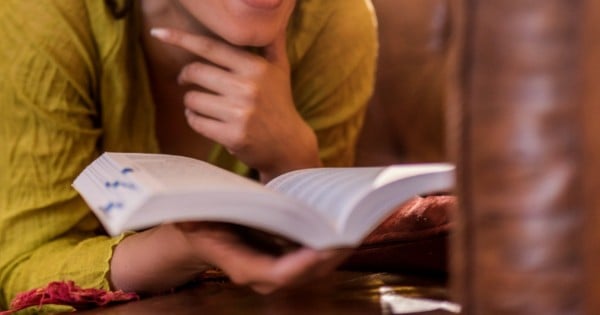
(320, 208)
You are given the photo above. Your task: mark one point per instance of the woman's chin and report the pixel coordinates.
(263, 4)
(252, 39)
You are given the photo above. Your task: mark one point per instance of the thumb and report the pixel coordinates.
(276, 52)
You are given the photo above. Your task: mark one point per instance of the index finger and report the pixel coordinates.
(213, 50)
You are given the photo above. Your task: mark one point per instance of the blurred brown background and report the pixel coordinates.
(405, 120)
(521, 82)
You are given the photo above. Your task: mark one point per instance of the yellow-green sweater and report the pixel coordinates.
(73, 84)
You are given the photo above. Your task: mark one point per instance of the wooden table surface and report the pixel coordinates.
(342, 292)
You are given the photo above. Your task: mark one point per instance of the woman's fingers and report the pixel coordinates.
(299, 267)
(220, 245)
(221, 82)
(207, 76)
(292, 269)
(244, 265)
(233, 137)
(266, 273)
(257, 119)
(215, 51)
(208, 105)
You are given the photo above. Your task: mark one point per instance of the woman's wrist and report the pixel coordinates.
(302, 152)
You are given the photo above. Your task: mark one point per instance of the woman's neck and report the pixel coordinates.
(167, 13)
(164, 65)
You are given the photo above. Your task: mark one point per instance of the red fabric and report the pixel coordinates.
(419, 218)
(67, 293)
(413, 238)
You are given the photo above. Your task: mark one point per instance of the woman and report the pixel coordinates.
(267, 85)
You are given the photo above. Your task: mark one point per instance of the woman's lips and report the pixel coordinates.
(263, 4)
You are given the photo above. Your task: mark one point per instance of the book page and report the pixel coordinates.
(178, 173)
(331, 191)
(357, 198)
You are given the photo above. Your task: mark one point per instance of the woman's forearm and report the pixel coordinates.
(155, 260)
(300, 151)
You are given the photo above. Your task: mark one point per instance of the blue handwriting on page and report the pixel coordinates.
(118, 183)
(127, 170)
(110, 206)
(114, 186)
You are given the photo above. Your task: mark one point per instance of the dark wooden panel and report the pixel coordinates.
(517, 130)
(591, 171)
(405, 118)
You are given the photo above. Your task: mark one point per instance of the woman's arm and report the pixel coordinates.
(50, 129)
(173, 254)
(47, 136)
(333, 50)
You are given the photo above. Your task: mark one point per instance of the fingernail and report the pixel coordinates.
(159, 33)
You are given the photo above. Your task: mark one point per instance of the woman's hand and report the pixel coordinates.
(244, 102)
(220, 245)
(172, 254)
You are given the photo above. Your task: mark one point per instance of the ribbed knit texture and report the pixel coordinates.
(73, 84)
